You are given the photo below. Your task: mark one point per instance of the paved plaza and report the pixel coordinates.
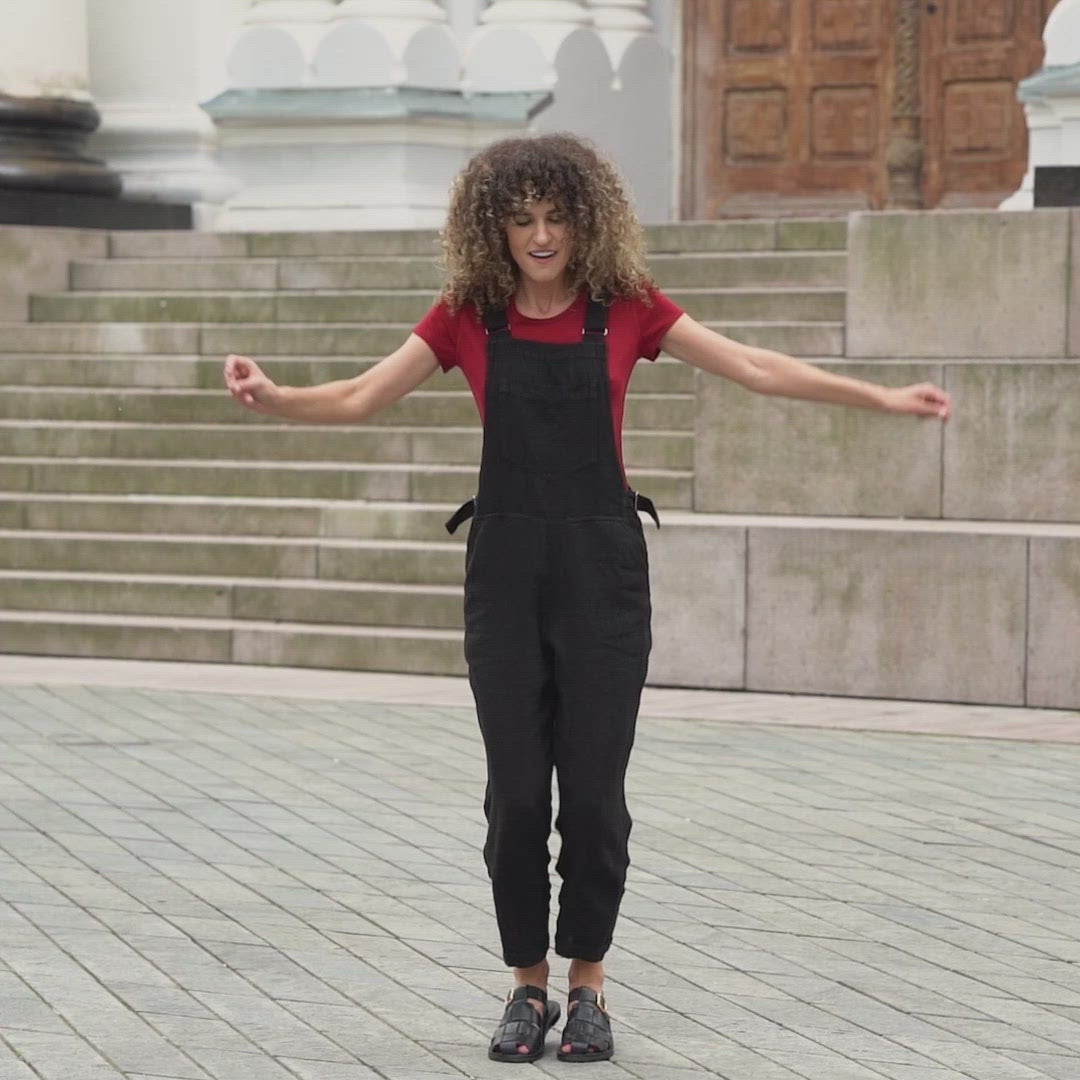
(249, 874)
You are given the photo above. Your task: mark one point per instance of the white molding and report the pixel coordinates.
(564, 13)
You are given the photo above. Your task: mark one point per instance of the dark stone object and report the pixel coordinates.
(1057, 185)
(42, 147)
(89, 211)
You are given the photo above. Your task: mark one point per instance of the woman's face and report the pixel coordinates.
(540, 243)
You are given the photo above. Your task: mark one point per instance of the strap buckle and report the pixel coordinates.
(462, 514)
(644, 503)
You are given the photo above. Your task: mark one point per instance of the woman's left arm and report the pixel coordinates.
(767, 372)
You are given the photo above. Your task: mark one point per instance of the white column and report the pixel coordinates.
(43, 50)
(147, 71)
(1052, 102)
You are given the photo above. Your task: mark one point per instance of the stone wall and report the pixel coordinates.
(888, 556)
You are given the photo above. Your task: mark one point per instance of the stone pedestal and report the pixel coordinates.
(353, 157)
(1051, 100)
(45, 109)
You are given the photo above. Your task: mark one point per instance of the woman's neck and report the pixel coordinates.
(542, 300)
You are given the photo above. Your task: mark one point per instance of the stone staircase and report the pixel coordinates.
(143, 514)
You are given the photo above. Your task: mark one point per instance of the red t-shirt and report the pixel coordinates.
(635, 329)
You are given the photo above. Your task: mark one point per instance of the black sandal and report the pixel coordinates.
(588, 1029)
(521, 1025)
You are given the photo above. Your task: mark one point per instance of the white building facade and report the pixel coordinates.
(337, 114)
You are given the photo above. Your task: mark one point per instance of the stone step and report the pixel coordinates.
(450, 446)
(204, 372)
(245, 479)
(220, 300)
(327, 558)
(169, 245)
(800, 234)
(697, 270)
(719, 583)
(712, 235)
(145, 637)
(96, 338)
(328, 339)
(303, 600)
(670, 412)
(182, 514)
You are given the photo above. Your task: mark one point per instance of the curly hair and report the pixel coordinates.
(608, 258)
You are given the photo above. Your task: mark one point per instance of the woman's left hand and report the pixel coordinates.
(920, 399)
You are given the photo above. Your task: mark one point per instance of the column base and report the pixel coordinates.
(42, 147)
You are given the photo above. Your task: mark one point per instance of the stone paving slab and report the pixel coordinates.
(234, 874)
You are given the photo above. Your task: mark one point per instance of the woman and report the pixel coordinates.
(546, 308)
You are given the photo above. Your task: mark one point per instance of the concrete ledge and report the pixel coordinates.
(964, 283)
(699, 610)
(1054, 631)
(762, 455)
(1074, 277)
(974, 611)
(1012, 451)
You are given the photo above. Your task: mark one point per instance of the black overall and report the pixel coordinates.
(556, 637)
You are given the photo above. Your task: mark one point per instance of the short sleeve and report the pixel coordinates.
(655, 320)
(439, 329)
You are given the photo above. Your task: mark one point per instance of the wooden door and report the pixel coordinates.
(788, 103)
(976, 51)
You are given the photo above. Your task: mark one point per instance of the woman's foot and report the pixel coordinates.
(587, 1035)
(516, 1021)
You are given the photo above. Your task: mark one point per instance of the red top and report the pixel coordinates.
(635, 329)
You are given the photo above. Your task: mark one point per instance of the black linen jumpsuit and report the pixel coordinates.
(556, 636)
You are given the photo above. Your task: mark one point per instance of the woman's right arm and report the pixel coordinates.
(345, 401)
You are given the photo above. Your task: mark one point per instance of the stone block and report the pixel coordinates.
(1054, 623)
(1012, 449)
(803, 235)
(891, 612)
(1074, 277)
(712, 236)
(958, 284)
(36, 260)
(699, 617)
(766, 455)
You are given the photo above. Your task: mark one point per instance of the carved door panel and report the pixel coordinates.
(786, 105)
(976, 138)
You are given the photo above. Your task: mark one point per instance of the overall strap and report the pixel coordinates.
(596, 318)
(496, 321)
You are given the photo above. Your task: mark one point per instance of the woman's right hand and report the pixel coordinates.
(249, 385)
